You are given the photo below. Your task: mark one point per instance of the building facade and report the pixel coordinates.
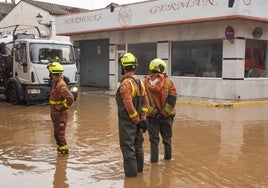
(25, 13)
(213, 49)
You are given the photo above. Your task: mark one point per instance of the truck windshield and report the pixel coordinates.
(45, 53)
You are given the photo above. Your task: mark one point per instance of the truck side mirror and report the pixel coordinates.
(18, 58)
(3, 49)
(17, 55)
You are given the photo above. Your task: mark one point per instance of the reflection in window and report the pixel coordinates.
(47, 52)
(144, 53)
(255, 58)
(197, 58)
(121, 47)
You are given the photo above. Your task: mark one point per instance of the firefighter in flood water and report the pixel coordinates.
(132, 103)
(61, 99)
(162, 95)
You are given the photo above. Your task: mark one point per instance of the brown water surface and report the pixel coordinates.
(212, 147)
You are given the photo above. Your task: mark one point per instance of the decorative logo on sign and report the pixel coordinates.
(247, 2)
(229, 33)
(125, 16)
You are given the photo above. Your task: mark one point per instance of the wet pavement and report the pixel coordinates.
(212, 147)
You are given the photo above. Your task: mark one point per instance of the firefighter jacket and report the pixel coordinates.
(162, 95)
(61, 97)
(134, 97)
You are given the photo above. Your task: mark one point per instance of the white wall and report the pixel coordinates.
(253, 88)
(25, 14)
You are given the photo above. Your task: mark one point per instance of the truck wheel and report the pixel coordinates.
(13, 95)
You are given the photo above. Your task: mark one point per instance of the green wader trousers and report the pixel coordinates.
(131, 141)
(164, 128)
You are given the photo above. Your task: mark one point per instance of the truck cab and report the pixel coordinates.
(23, 68)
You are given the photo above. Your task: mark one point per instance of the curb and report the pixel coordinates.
(222, 104)
(211, 104)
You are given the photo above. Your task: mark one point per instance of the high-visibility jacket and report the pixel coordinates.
(162, 94)
(61, 97)
(132, 92)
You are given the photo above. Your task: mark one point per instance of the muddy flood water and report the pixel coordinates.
(212, 147)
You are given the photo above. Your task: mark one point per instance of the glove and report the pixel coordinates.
(142, 125)
(60, 107)
(135, 120)
(160, 116)
(152, 112)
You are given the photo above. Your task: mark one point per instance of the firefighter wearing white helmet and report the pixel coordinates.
(162, 96)
(61, 99)
(132, 104)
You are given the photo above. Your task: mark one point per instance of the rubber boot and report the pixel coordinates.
(63, 150)
(154, 154)
(168, 152)
(130, 167)
(140, 163)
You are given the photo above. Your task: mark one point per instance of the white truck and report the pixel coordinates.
(24, 78)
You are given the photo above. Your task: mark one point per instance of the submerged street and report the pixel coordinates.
(212, 147)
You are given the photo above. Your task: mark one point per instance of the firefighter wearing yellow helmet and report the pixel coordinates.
(157, 66)
(61, 99)
(55, 68)
(128, 62)
(162, 96)
(132, 104)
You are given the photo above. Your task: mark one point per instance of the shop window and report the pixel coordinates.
(197, 58)
(121, 47)
(255, 57)
(144, 53)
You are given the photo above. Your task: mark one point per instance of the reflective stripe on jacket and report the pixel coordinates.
(64, 103)
(162, 94)
(60, 95)
(132, 92)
